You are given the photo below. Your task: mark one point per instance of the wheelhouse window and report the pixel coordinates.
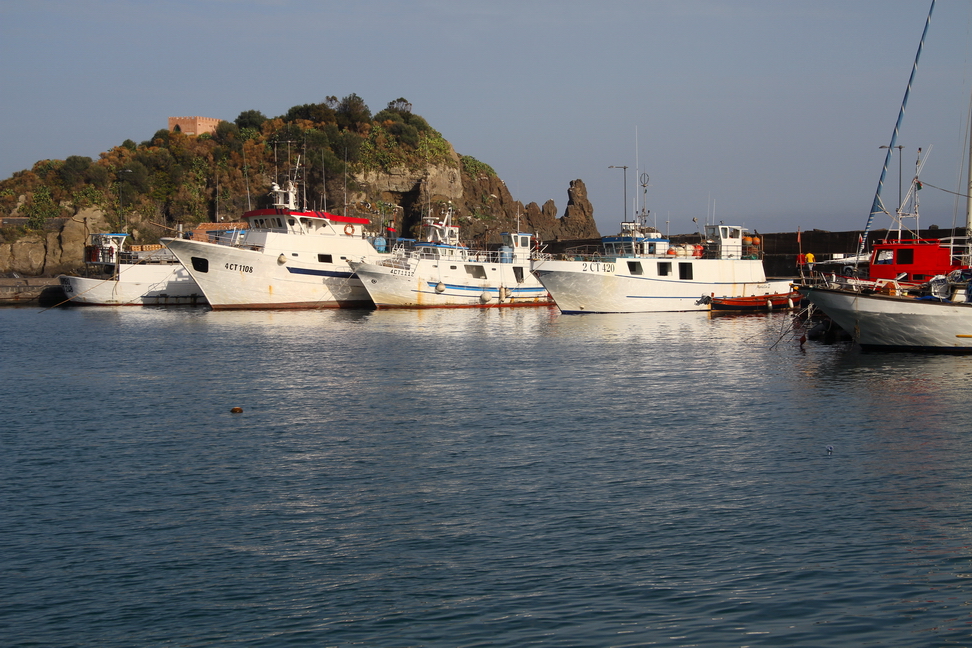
(325, 258)
(906, 257)
(634, 267)
(476, 271)
(685, 271)
(518, 274)
(664, 268)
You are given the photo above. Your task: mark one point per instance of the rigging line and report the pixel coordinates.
(877, 206)
(954, 193)
(783, 332)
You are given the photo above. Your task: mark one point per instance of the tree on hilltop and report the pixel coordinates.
(250, 119)
(353, 113)
(400, 106)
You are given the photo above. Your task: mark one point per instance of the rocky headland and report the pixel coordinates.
(391, 167)
(482, 205)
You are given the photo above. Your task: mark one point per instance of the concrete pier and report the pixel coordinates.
(30, 290)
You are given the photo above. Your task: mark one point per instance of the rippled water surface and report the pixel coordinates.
(466, 478)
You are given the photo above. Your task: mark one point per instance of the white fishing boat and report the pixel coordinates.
(892, 313)
(888, 320)
(286, 258)
(441, 272)
(639, 271)
(146, 276)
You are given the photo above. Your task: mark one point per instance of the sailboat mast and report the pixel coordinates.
(968, 184)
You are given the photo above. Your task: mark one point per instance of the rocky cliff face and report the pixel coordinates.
(482, 205)
(54, 251)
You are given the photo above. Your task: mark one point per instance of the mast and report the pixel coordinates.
(968, 184)
(877, 206)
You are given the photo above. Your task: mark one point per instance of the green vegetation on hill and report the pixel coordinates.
(176, 178)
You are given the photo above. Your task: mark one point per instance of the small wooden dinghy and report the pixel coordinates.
(776, 301)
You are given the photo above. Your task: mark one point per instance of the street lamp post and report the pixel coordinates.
(899, 147)
(625, 169)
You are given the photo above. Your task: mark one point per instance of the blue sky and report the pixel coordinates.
(763, 113)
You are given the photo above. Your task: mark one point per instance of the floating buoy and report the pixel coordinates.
(756, 240)
(769, 304)
(237, 410)
(830, 450)
(440, 287)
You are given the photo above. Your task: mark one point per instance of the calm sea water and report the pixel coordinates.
(475, 478)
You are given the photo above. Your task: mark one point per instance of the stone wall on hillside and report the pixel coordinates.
(54, 251)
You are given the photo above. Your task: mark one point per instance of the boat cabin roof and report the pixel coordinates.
(337, 218)
(724, 231)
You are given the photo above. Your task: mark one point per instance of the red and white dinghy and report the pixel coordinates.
(776, 301)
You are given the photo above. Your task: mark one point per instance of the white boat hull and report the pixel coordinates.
(879, 321)
(635, 285)
(448, 284)
(166, 284)
(242, 278)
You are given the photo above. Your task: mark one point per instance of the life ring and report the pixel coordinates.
(349, 229)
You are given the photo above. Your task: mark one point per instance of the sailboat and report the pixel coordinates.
(888, 316)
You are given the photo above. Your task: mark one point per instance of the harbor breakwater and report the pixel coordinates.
(16, 291)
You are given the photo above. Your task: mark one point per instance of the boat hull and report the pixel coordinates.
(887, 322)
(242, 278)
(166, 284)
(640, 285)
(757, 303)
(433, 284)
